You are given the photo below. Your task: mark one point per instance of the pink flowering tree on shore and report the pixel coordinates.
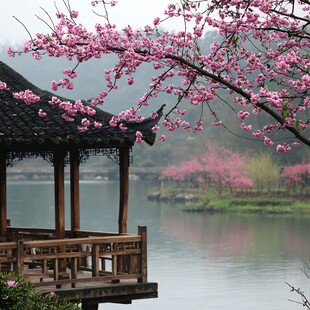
(297, 176)
(186, 171)
(261, 64)
(225, 168)
(216, 167)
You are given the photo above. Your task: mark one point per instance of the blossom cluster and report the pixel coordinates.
(27, 96)
(261, 62)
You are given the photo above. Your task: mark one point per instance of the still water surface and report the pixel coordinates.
(201, 261)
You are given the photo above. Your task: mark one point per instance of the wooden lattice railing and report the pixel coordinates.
(57, 262)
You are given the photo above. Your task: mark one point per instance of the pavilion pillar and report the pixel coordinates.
(59, 180)
(124, 189)
(75, 190)
(3, 195)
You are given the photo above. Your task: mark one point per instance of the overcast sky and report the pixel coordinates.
(136, 13)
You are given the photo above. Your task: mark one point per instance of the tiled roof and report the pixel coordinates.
(22, 127)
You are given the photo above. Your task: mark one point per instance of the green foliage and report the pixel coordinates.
(16, 293)
(212, 203)
(264, 170)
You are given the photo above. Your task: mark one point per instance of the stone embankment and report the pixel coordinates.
(179, 197)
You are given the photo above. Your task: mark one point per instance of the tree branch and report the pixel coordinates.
(244, 94)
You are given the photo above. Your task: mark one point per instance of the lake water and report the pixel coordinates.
(200, 261)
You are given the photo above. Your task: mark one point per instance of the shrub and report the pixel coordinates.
(16, 293)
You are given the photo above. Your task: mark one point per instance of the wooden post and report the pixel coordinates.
(95, 260)
(75, 190)
(3, 196)
(59, 179)
(74, 270)
(20, 257)
(124, 189)
(142, 231)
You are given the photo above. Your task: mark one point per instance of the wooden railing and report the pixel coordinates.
(30, 233)
(73, 261)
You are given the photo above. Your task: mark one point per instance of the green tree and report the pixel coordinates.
(264, 170)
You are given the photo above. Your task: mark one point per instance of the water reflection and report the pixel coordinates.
(217, 261)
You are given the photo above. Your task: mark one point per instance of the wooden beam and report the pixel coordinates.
(75, 190)
(3, 196)
(59, 180)
(111, 293)
(124, 189)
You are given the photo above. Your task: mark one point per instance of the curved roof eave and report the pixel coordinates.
(22, 128)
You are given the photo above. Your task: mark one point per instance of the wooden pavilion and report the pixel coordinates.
(58, 259)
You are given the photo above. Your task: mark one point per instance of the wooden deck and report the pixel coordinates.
(91, 266)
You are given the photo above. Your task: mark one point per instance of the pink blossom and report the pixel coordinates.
(113, 122)
(217, 123)
(82, 128)
(67, 117)
(243, 114)
(186, 126)
(181, 112)
(85, 122)
(41, 113)
(162, 138)
(260, 79)
(27, 96)
(90, 111)
(139, 119)
(74, 14)
(155, 128)
(198, 126)
(156, 21)
(122, 127)
(52, 294)
(130, 80)
(97, 125)
(3, 86)
(283, 148)
(139, 134)
(139, 137)
(246, 127)
(54, 100)
(268, 141)
(72, 74)
(154, 115)
(54, 85)
(257, 134)
(11, 283)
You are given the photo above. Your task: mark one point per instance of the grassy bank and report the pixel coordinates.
(213, 203)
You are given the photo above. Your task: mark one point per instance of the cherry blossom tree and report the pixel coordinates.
(188, 171)
(225, 168)
(261, 64)
(297, 175)
(216, 166)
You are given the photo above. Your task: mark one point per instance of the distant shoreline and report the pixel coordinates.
(268, 203)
